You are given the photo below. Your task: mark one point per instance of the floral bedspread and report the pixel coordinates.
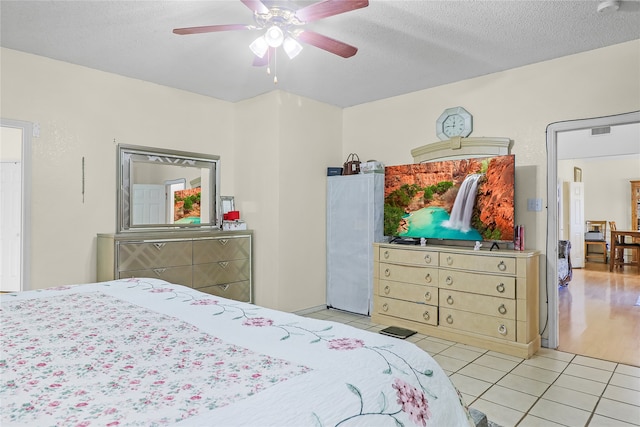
(147, 352)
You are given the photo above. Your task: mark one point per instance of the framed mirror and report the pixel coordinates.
(166, 189)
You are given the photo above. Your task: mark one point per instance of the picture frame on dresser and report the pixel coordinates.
(227, 204)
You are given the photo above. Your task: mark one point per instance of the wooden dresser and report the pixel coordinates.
(487, 299)
(215, 262)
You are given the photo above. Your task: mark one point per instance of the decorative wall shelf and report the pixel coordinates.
(459, 148)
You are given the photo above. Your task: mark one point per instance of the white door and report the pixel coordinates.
(148, 203)
(574, 202)
(10, 226)
(170, 189)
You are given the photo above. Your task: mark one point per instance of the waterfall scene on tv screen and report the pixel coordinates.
(466, 199)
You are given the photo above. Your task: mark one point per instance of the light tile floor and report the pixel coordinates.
(550, 389)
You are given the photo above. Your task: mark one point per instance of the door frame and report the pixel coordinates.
(25, 202)
(552, 208)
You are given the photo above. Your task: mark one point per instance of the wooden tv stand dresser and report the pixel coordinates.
(487, 299)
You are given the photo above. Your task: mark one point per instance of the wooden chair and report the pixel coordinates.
(596, 234)
(621, 246)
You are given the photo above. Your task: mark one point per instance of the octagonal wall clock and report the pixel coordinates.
(453, 122)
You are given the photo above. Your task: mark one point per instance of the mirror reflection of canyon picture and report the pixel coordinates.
(467, 199)
(186, 208)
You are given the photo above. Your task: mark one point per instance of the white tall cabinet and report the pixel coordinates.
(355, 211)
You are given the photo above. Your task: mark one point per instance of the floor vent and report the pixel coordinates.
(601, 131)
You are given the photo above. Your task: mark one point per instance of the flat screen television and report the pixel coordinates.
(464, 199)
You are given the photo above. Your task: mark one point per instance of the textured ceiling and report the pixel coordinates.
(404, 46)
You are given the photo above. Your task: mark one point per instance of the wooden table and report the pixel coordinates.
(615, 235)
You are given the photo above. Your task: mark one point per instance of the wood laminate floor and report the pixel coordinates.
(598, 315)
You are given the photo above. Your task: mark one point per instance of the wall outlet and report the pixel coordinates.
(534, 205)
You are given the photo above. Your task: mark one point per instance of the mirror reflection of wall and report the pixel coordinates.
(153, 196)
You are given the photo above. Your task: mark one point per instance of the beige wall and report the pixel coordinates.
(284, 144)
(85, 113)
(607, 191)
(518, 104)
(274, 150)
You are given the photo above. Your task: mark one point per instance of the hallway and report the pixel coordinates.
(599, 316)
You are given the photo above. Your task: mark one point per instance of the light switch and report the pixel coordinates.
(534, 205)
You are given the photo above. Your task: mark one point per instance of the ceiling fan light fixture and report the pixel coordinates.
(259, 47)
(274, 36)
(291, 47)
(608, 6)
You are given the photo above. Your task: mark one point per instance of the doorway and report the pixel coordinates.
(15, 202)
(553, 132)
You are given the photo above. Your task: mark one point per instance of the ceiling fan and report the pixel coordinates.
(285, 27)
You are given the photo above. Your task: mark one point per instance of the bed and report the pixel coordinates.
(144, 352)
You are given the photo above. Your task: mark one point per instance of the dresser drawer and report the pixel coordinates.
(220, 273)
(484, 284)
(478, 323)
(148, 255)
(221, 249)
(409, 292)
(421, 313)
(405, 256)
(240, 291)
(491, 306)
(488, 264)
(177, 275)
(407, 273)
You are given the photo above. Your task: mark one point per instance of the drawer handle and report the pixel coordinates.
(427, 296)
(426, 315)
(450, 319)
(427, 278)
(449, 280)
(387, 272)
(502, 330)
(159, 245)
(224, 287)
(223, 241)
(387, 290)
(159, 271)
(386, 254)
(385, 307)
(502, 309)
(223, 264)
(500, 288)
(449, 260)
(450, 300)
(502, 266)
(427, 259)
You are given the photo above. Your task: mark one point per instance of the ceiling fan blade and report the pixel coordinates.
(328, 8)
(327, 43)
(212, 29)
(256, 6)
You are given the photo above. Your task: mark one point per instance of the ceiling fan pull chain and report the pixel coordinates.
(275, 67)
(269, 62)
